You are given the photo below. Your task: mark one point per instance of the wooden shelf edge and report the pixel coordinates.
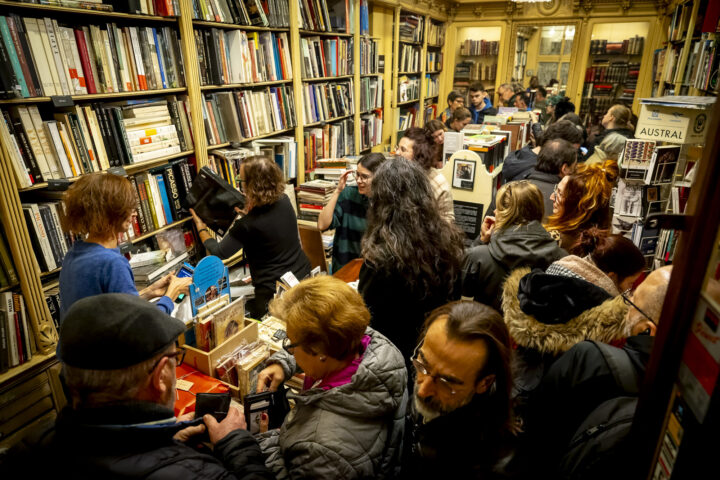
(130, 169)
(325, 34)
(87, 11)
(371, 74)
(9, 287)
(98, 96)
(407, 102)
(250, 139)
(161, 229)
(327, 79)
(36, 360)
(330, 120)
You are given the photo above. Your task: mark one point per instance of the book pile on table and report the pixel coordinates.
(312, 197)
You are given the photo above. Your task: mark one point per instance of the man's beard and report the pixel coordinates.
(430, 408)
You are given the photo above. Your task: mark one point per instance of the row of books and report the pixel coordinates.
(39, 57)
(17, 342)
(702, 66)
(479, 47)
(370, 131)
(369, 56)
(226, 162)
(326, 57)
(409, 60)
(235, 116)
(325, 101)
(407, 118)
(330, 141)
(434, 61)
(430, 113)
(371, 93)
(8, 274)
(680, 21)
(630, 46)
(472, 70)
(432, 85)
(617, 72)
(93, 138)
(312, 196)
(49, 242)
(411, 27)
(258, 13)
(161, 8)
(236, 56)
(408, 88)
(326, 15)
(435, 34)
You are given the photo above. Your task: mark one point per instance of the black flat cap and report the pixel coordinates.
(113, 331)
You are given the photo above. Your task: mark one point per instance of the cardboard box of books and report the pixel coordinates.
(674, 119)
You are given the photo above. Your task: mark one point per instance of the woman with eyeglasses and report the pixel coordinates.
(349, 418)
(347, 208)
(581, 201)
(513, 238)
(267, 232)
(418, 146)
(577, 298)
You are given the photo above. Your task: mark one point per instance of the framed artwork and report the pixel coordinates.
(463, 174)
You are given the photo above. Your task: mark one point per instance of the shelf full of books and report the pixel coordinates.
(250, 13)
(479, 63)
(371, 94)
(611, 77)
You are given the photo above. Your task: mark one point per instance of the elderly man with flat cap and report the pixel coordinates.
(119, 356)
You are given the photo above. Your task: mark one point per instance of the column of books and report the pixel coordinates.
(371, 94)
(409, 51)
(326, 38)
(433, 68)
(105, 93)
(246, 76)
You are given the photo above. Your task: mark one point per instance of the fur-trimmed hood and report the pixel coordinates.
(604, 323)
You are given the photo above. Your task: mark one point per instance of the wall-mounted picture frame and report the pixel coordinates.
(463, 174)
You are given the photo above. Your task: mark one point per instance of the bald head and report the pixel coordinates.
(649, 297)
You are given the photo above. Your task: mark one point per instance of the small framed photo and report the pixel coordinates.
(463, 174)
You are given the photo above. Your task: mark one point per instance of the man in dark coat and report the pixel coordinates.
(119, 356)
(462, 385)
(557, 159)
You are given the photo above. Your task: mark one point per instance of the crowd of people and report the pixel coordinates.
(452, 359)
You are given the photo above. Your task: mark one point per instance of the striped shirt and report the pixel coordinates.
(349, 224)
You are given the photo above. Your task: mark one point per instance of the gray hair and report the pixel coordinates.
(92, 388)
(612, 145)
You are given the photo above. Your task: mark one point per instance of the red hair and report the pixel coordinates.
(586, 198)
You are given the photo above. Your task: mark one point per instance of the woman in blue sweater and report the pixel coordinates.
(99, 208)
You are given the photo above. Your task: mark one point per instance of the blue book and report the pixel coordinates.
(164, 197)
(333, 58)
(276, 58)
(14, 61)
(161, 59)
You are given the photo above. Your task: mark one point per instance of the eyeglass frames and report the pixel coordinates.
(441, 382)
(178, 354)
(289, 347)
(630, 303)
(360, 176)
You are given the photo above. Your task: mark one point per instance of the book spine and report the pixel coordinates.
(13, 56)
(9, 314)
(24, 55)
(4, 346)
(162, 190)
(57, 59)
(140, 209)
(173, 192)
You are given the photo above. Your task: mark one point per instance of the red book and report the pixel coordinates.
(85, 61)
(136, 226)
(282, 60)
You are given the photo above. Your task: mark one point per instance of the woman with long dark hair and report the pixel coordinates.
(412, 254)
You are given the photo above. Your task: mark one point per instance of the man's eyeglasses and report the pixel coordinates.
(442, 383)
(289, 347)
(179, 356)
(360, 176)
(630, 303)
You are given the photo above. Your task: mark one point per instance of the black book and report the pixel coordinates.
(200, 47)
(171, 185)
(166, 58)
(122, 139)
(117, 132)
(180, 68)
(152, 82)
(8, 78)
(51, 232)
(39, 255)
(82, 149)
(28, 54)
(175, 115)
(26, 152)
(54, 307)
(183, 181)
(140, 211)
(214, 200)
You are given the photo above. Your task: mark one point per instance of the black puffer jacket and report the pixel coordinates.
(518, 164)
(485, 267)
(132, 441)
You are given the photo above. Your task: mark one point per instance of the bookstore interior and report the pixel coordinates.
(179, 96)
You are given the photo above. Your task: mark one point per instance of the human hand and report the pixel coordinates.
(235, 420)
(176, 286)
(487, 228)
(270, 378)
(199, 224)
(343, 181)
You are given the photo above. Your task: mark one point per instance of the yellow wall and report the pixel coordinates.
(617, 32)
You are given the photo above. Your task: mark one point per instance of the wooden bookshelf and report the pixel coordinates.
(161, 229)
(36, 360)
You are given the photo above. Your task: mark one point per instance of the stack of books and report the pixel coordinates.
(326, 57)
(330, 141)
(312, 197)
(268, 13)
(40, 57)
(411, 27)
(148, 274)
(235, 116)
(92, 138)
(256, 56)
(331, 169)
(17, 342)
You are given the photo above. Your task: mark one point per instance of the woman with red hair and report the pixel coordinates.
(582, 201)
